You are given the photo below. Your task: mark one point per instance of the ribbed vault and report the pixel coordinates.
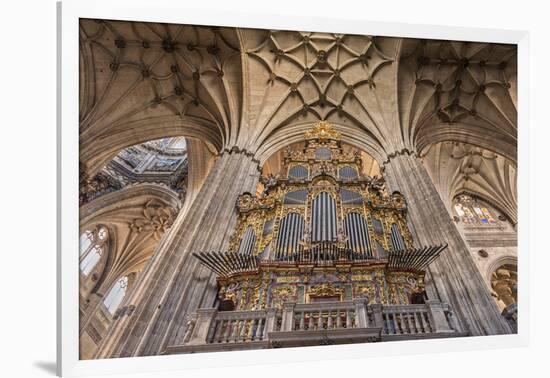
(458, 91)
(457, 167)
(300, 78)
(260, 89)
(144, 81)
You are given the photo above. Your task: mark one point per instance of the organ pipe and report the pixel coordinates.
(323, 218)
(355, 227)
(248, 242)
(396, 238)
(290, 233)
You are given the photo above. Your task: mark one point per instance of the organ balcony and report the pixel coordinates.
(324, 323)
(326, 316)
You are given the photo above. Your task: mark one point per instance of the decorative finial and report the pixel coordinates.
(322, 130)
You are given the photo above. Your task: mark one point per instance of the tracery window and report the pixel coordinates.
(85, 241)
(471, 211)
(90, 260)
(115, 296)
(92, 244)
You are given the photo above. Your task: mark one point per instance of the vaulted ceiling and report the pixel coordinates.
(458, 91)
(298, 78)
(457, 167)
(260, 90)
(143, 81)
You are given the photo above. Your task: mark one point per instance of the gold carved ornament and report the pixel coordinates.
(324, 290)
(322, 131)
(281, 294)
(365, 290)
(253, 302)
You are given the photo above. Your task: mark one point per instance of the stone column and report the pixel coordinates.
(287, 321)
(205, 316)
(378, 320)
(454, 276)
(174, 283)
(269, 322)
(361, 320)
(437, 316)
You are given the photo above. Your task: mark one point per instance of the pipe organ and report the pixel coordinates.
(321, 222)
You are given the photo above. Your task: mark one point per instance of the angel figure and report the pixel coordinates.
(269, 182)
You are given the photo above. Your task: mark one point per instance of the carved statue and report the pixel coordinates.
(377, 184)
(269, 182)
(306, 239)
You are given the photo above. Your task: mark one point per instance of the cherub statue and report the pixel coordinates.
(269, 182)
(377, 184)
(306, 238)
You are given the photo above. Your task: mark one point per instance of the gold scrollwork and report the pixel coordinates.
(324, 290)
(282, 294)
(365, 291)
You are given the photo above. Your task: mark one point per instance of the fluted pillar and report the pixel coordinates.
(454, 276)
(174, 283)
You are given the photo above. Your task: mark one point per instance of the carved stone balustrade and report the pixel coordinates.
(414, 321)
(323, 323)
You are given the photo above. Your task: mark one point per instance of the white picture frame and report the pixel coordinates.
(69, 13)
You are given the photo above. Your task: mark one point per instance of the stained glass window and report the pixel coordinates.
(472, 211)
